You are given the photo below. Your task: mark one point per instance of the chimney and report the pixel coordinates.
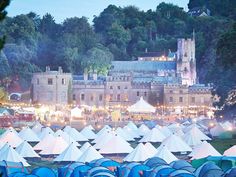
(47, 68)
(60, 70)
(85, 74)
(95, 75)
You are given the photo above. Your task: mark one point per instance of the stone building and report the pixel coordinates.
(162, 80)
(51, 87)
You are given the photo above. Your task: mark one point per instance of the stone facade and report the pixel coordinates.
(51, 87)
(163, 81)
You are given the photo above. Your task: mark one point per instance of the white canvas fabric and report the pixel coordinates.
(132, 126)
(139, 154)
(70, 154)
(141, 107)
(12, 138)
(231, 151)
(133, 133)
(143, 129)
(9, 154)
(195, 131)
(166, 131)
(105, 128)
(44, 132)
(26, 151)
(203, 150)
(55, 147)
(164, 153)
(175, 144)
(75, 134)
(116, 145)
(154, 135)
(103, 140)
(85, 147)
(37, 128)
(48, 139)
(150, 148)
(66, 137)
(89, 155)
(28, 135)
(76, 112)
(124, 135)
(217, 130)
(88, 133)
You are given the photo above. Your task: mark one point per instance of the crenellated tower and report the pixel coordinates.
(186, 61)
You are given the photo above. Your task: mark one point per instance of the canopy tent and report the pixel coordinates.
(57, 146)
(28, 135)
(26, 151)
(116, 145)
(203, 150)
(141, 107)
(88, 133)
(231, 151)
(66, 137)
(154, 136)
(12, 138)
(151, 148)
(76, 112)
(165, 154)
(89, 154)
(49, 138)
(10, 155)
(139, 154)
(176, 144)
(85, 147)
(70, 154)
(75, 134)
(143, 129)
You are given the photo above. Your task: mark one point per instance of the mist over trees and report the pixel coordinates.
(33, 43)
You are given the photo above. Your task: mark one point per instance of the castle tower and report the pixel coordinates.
(186, 61)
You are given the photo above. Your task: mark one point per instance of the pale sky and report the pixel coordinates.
(62, 9)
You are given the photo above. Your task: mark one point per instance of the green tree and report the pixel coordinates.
(3, 13)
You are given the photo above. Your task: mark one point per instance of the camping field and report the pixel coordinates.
(222, 144)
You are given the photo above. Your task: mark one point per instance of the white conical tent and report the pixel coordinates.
(203, 150)
(102, 140)
(165, 131)
(133, 133)
(143, 129)
(66, 137)
(139, 154)
(164, 153)
(217, 130)
(44, 132)
(132, 126)
(26, 151)
(70, 154)
(153, 136)
(89, 155)
(231, 151)
(88, 133)
(56, 147)
(45, 142)
(141, 107)
(228, 126)
(175, 144)
(105, 128)
(76, 112)
(191, 140)
(37, 128)
(10, 155)
(85, 147)
(151, 148)
(90, 127)
(12, 138)
(28, 135)
(76, 135)
(195, 131)
(116, 145)
(124, 135)
(10, 129)
(101, 136)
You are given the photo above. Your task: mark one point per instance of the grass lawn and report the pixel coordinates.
(222, 144)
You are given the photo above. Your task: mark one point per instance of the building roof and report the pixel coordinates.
(158, 79)
(142, 66)
(152, 54)
(198, 11)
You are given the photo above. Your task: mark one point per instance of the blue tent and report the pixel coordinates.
(155, 161)
(207, 169)
(104, 162)
(72, 170)
(103, 174)
(224, 162)
(96, 170)
(7, 168)
(182, 173)
(20, 174)
(182, 165)
(159, 171)
(131, 170)
(231, 172)
(43, 172)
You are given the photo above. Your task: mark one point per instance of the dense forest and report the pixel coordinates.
(32, 43)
